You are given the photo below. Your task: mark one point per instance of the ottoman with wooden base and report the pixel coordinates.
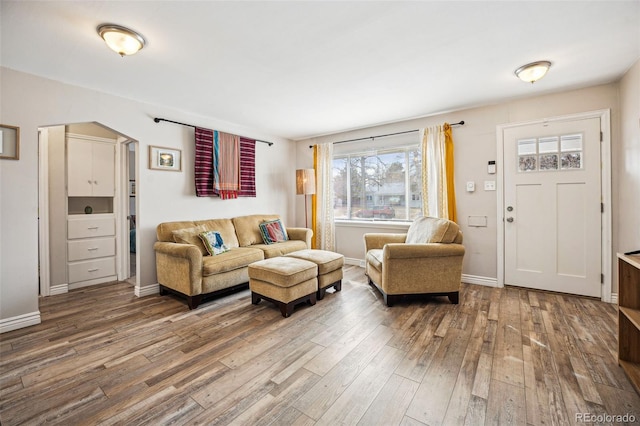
(285, 281)
(329, 268)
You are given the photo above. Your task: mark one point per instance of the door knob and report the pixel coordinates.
(509, 219)
(509, 209)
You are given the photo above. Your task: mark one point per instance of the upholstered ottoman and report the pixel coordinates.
(285, 281)
(329, 268)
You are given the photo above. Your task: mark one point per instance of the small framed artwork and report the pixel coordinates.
(9, 142)
(165, 158)
(132, 188)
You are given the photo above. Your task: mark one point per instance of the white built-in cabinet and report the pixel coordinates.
(91, 168)
(91, 222)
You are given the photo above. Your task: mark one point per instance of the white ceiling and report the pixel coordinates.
(299, 69)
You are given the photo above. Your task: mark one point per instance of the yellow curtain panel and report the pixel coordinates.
(451, 191)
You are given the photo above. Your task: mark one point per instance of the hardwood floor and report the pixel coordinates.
(502, 356)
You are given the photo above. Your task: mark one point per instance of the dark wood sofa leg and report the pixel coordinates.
(454, 297)
(255, 298)
(194, 301)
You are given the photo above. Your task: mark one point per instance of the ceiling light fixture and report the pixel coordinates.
(533, 72)
(121, 40)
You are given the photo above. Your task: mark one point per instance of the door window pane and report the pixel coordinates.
(527, 163)
(571, 160)
(526, 146)
(549, 162)
(546, 145)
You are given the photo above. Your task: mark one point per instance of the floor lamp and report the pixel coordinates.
(305, 185)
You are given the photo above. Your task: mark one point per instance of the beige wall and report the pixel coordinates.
(57, 206)
(626, 158)
(31, 102)
(475, 145)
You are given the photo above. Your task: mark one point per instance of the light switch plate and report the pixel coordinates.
(471, 186)
(489, 185)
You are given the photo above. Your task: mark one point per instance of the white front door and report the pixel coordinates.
(552, 206)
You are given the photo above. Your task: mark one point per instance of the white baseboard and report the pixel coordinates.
(21, 321)
(475, 279)
(614, 298)
(148, 290)
(58, 289)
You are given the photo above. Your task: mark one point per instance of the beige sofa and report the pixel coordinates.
(425, 260)
(186, 269)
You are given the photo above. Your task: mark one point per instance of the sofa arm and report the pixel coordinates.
(302, 234)
(413, 251)
(377, 241)
(179, 267)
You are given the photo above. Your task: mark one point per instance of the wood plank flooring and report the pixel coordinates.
(502, 356)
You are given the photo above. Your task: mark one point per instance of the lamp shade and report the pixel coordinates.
(305, 181)
(533, 72)
(120, 39)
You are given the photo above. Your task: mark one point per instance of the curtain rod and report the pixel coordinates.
(157, 120)
(459, 123)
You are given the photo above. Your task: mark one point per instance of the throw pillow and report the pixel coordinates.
(212, 241)
(190, 236)
(273, 232)
(431, 230)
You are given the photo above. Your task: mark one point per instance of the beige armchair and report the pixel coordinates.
(425, 260)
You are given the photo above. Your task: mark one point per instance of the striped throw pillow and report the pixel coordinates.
(273, 232)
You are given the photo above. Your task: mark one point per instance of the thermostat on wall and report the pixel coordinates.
(491, 168)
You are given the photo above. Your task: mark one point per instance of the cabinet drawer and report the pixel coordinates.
(90, 249)
(91, 227)
(91, 269)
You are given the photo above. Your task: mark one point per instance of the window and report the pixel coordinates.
(378, 185)
(550, 153)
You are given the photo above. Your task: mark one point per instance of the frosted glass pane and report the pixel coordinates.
(571, 143)
(546, 145)
(549, 162)
(527, 163)
(571, 160)
(526, 146)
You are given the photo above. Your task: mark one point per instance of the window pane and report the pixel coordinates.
(571, 160)
(571, 143)
(526, 146)
(549, 162)
(384, 185)
(527, 163)
(546, 145)
(415, 186)
(340, 186)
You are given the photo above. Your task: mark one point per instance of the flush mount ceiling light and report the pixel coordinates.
(533, 72)
(121, 40)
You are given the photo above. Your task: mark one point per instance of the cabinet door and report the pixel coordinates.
(103, 162)
(79, 176)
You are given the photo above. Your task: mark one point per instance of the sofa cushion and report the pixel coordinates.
(190, 236)
(235, 258)
(280, 249)
(213, 242)
(432, 230)
(248, 228)
(273, 232)
(164, 231)
(224, 227)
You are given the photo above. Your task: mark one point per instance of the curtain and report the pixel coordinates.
(322, 201)
(438, 191)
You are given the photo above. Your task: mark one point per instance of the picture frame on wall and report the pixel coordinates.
(9, 142)
(161, 158)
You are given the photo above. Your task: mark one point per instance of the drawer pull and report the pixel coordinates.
(92, 227)
(93, 270)
(92, 248)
